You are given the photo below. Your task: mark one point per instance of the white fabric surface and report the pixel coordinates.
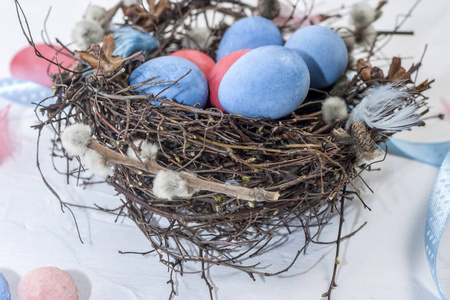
(386, 260)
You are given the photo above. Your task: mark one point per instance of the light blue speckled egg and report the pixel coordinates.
(4, 288)
(324, 52)
(270, 81)
(190, 90)
(249, 33)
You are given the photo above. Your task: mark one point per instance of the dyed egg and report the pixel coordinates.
(270, 81)
(249, 33)
(324, 52)
(48, 283)
(217, 73)
(190, 90)
(26, 65)
(4, 288)
(200, 59)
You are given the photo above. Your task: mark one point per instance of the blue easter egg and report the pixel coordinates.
(192, 89)
(324, 52)
(249, 33)
(270, 81)
(4, 288)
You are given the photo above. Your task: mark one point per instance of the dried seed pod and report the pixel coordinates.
(361, 137)
(376, 73)
(365, 73)
(269, 9)
(363, 144)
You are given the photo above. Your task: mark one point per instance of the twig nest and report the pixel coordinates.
(48, 283)
(87, 32)
(169, 184)
(324, 52)
(146, 150)
(333, 108)
(97, 163)
(190, 90)
(249, 33)
(4, 288)
(76, 138)
(270, 81)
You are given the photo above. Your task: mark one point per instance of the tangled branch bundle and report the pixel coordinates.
(232, 182)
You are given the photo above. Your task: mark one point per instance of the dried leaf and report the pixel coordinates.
(395, 66)
(102, 58)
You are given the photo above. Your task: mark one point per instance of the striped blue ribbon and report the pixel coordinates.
(436, 154)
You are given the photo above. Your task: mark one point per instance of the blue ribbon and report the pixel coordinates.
(23, 92)
(436, 154)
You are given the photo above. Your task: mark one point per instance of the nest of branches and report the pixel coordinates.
(251, 177)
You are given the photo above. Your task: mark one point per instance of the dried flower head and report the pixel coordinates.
(76, 138)
(169, 184)
(367, 36)
(95, 13)
(129, 40)
(333, 108)
(362, 15)
(87, 32)
(389, 108)
(147, 150)
(97, 163)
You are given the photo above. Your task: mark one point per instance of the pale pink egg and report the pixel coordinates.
(47, 283)
(200, 59)
(26, 65)
(217, 73)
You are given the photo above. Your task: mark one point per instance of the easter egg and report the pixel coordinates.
(200, 59)
(217, 73)
(4, 288)
(324, 52)
(270, 81)
(249, 33)
(190, 90)
(48, 283)
(26, 65)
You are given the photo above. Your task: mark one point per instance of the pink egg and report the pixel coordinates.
(26, 65)
(47, 283)
(217, 73)
(200, 59)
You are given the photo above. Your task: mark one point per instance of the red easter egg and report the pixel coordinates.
(26, 65)
(200, 59)
(217, 73)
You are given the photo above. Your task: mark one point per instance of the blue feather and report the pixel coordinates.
(389, 108)
(129, 40)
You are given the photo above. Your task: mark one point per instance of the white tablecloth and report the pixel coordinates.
(386, 260)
